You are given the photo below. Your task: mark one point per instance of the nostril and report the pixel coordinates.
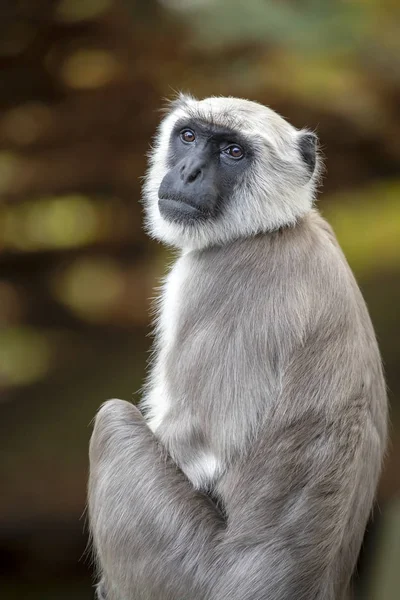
(193, 175)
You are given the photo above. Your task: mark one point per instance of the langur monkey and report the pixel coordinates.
(250, 470)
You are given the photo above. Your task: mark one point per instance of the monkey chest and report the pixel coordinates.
(210, 407)
(211, 380)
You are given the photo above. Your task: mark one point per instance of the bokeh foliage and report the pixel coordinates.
(81, 84)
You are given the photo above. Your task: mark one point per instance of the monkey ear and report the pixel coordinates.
(308, 143)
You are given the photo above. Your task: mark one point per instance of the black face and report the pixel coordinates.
(206, 162)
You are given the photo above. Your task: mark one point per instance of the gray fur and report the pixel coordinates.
(266, 361)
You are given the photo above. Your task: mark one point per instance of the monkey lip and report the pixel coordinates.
(177, 209)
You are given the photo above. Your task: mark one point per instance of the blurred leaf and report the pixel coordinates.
(90, 287)
(367, 224)
(62, 222)
(311, 28)
(59, 222)
(24, 124)
(8, 169)
(11, 304)
(16, 38)
(25, 356)
(385, 583)
(86, 69)
(329, 25)
(71, 11)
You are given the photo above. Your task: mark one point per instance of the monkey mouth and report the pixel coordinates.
(180, 210)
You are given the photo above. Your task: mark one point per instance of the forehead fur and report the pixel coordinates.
(251, 118)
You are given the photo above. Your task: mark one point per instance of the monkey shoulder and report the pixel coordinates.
(296, 273)
(315, 255)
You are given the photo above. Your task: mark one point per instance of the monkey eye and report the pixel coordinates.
(234, 151)
(187, 136)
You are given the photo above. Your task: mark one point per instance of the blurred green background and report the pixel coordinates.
(80, 85)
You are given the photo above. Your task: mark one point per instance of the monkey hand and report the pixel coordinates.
(117, 451)
(140, 507)
(115, 422)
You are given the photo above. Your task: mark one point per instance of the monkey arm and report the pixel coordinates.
(154, 534)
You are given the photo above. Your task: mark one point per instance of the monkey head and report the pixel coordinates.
(224, 168)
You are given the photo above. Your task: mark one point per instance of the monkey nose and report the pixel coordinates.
(193, 175)
(190, 172)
